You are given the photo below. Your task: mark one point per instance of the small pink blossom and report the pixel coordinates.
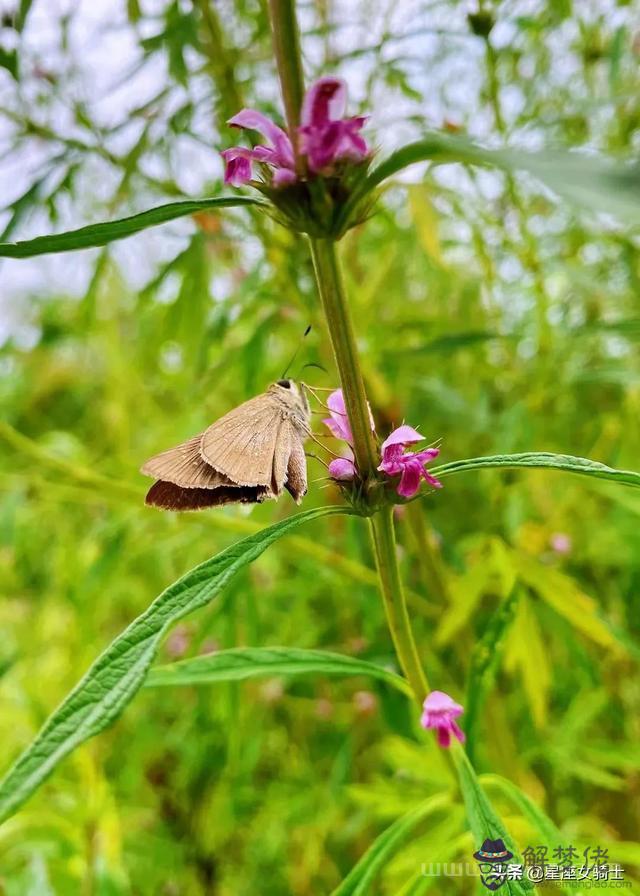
(561, 543)
(326, 137)
(410, 465)
(440, 713)
(338, 422)
(278, 152)
(342, 468)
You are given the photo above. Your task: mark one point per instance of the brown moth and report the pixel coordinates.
(246, 457)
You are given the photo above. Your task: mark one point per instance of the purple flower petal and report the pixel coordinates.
(338, 423)
(238, 165)
(410, 479)
(440, 713)
(283, 176)
(342, 468)
(256, 121)
(325, 101)
(426, 475)
(403, 435)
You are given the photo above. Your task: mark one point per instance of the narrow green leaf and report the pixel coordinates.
(552, 836)
(538, 819)
(486, 657)
(541, 459)
(483, 820)
(109, 231)
(254, 662)
(23, 11)
(358, 881)
(9, 60)
(115, 677)
(587, 181)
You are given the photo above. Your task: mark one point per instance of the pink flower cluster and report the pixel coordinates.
(440, 714)
(326, 137)
(395, 460)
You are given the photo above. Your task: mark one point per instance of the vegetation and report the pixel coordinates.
(274, 746)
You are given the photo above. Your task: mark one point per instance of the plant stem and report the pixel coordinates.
(394, 602)
(338, 315)
(286, 46)
(286, 42)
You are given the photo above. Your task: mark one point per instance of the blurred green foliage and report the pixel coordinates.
(490, 317)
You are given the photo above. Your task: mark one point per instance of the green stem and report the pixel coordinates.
(286, 42)
(343, 340)
(286, 46)
(394, 602)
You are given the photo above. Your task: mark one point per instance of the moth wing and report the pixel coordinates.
(241, 445)
(184, 466)
(281, 454)
(296, 483)
(169, 496)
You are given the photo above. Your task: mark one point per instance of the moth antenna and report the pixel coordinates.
(295, 354)
(319, 459)
(312, 390)
(324, 447)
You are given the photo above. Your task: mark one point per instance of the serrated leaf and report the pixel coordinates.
(358, 881)
(109, 231)
(530, 459)
(241, 663)
(116, 676)
(482, 817)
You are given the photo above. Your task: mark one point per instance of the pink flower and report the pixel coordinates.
(278, 152)
(326, 136)
(338, 422)
(342, 468)
(440, 712)
(561, 543)
(408, 465)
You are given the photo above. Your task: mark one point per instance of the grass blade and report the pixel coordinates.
(358, 881)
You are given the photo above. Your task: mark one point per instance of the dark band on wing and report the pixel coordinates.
(174, 497)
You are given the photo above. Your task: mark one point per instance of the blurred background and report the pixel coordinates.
(489, 315)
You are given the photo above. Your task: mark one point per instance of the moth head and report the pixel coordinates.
(292, 394)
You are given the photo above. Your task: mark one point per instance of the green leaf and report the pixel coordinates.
(253, 662)
(486, 657)
(541, 459)
(110, 231)
(21, 16)
(483, 819)
(537, 818)
(358, 881)
(9, 61)
(115, 677)
(588, 181)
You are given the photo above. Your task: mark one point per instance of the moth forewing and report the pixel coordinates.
(184, 466)
(247, 456)
(241, 444)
